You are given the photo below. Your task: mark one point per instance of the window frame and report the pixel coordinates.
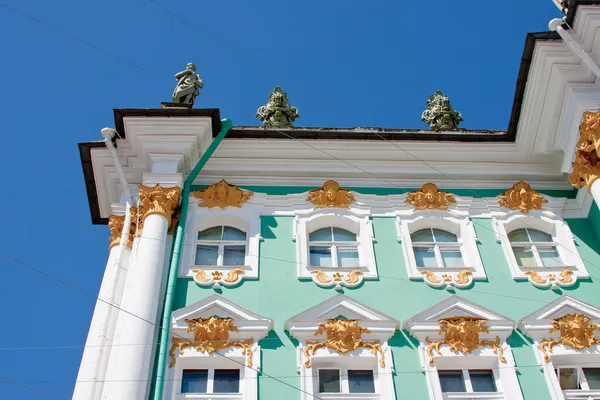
(540, 276)
(354, 221)
(437, 247)
(345, 381)
(210, 384)
(533, 246)
(220, 243)
(333, 246)
(469, 392)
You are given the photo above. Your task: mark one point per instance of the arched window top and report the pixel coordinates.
(433, 235)
(221, 246)
(529, 235)
(332, 234)
(223, 232)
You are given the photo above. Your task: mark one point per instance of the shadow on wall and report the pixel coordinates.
(268, 224)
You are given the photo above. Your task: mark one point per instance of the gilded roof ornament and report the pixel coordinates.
(222, 194)
(210, 336)
(277, 113)
(330, 195)
(462, 336)
(429, 197)
(576, 331)
(343, 336)
(439, 114)
(521, 197)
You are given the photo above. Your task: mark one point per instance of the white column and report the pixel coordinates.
(100, 335)
(595, 191)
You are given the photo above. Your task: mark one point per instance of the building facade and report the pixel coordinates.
(278, 262)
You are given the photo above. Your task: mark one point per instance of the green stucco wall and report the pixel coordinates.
(278, 295)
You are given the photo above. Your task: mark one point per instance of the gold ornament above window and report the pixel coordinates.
(429, 197)
(331, 195)
(210, 336)
(343, 336)
(222, 194)
(522, 197)
(462, 335)
(576, 331)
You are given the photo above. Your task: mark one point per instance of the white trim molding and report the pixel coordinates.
(354, 220)
(372, 328)
(550, 222)
(250, 327)
(455, 221)
(544, 325)
(246, 219)
(490, 352)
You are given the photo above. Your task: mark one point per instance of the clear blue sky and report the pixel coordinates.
(342, 63)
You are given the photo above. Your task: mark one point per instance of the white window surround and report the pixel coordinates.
(426, 325)
(553, 225)
(355, 221)
(537, 326)
(381, 326)
(250, 326)
(457, 223)
(200, 219)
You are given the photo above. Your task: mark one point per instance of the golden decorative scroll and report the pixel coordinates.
(586, 169)
(537, 278)
(565, 276)
(343, 336)
(330, 195)
(233, 275)
(462, 277)
(521, 197)
(210, 336)
(589, 132)
(157, 200)
(321, 276)
(576, 331)
(462, 335)
(115, 224)
(352, 276)
(429, 197)
(431, 277)
(200, 275)
(222, 194)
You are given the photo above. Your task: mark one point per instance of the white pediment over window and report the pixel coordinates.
(341, 337)
(459, 338)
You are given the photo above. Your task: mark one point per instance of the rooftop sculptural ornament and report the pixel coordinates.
(439, 114)
(188, 86)
(277, 113)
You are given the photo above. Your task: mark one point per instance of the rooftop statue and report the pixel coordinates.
(188, 85)
(439, 114)
(277, 113)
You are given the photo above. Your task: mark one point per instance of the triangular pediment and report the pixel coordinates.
(426, 323)
(306, 322)
(540, 321)
(247, 322)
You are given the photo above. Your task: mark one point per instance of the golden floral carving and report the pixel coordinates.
(200, 275)
(210, 336)
(462, 278)
(343, 336)
(537, 278)
(429, 197)
(586, 169)
(522, 197)
(233, 275)
(115, 224)
(217, 275)
(337, 277)
(330, 195)
(157, 200)
(576, 331)
(222, 194)
(446, 278)
(352, 276)
(565, 276)
(589, 132)
(431, 277)
(462, 336)
(321, 276)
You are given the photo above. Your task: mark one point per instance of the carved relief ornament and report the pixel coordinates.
(462, 336)
(210, 336)
(157, 200)
(330, 195)
(351, 279)
(544, 279)
(461, 280)
(202, 278)
(589, 133)
(576, 331)
(521, 197)
(222, 194)
(429, 197)
(586, 169)
(343, 336)
(115, 224)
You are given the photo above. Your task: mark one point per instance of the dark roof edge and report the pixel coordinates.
(85, 150)
(213, 113)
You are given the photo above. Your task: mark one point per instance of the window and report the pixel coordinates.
(221, 246)
(435, 248)
(333, 247)
(210, 381)
(467, 381)
(578, 378)
(533, 248)
(346, 381)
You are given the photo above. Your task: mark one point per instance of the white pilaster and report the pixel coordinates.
(595, 191)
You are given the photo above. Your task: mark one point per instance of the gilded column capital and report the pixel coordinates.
(589, 132)
(586, 169)
(158, 200)
(115, 224)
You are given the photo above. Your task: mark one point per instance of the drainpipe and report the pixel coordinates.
(557, 25)
(170, 295)
(95, 355)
